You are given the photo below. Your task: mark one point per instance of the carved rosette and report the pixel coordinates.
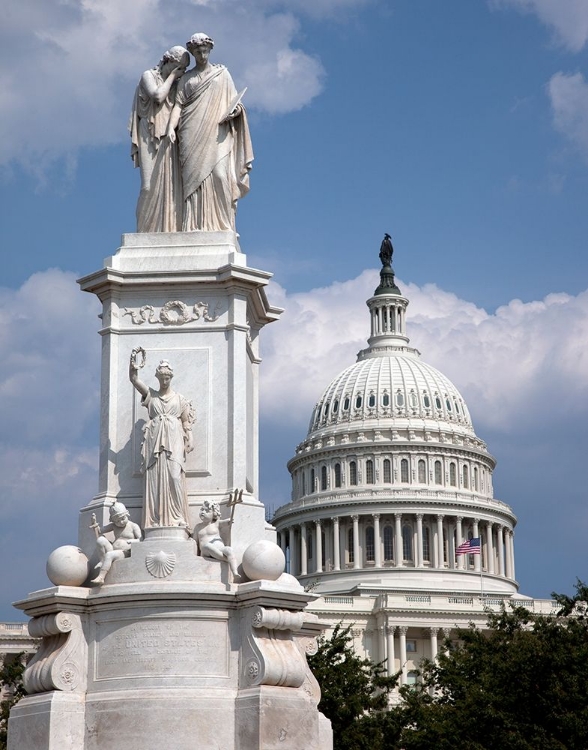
(61, 661)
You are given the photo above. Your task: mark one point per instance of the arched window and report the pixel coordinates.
(335, 406)
(350, 549)
(337, 475)
(346, 404)
(369, 544)
(448, 404)
(372, 400)
(311, 481)
(358, 401)
(309, 550)
(323, 478)
(437, 402)
(426, 544)
(438, 477)
(369, 471)
(414, 402)
(466, 477)
(399, 398)
(326, 409)
(412, 677)
(422, 471)
(475, 478)
(388, 536)
(387, 471)
(404, 470)
(352, 473)
(426, 400)
(385, 400)
(452, 475)
(407, 542)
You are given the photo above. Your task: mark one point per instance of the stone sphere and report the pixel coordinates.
(263, 560)
(67, 566)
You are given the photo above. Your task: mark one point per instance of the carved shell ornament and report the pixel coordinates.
(160, 564)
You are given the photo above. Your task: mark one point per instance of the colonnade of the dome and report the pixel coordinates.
(361, 541)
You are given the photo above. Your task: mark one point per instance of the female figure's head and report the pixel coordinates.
(199, 45)
(175, 57)
(164, 373)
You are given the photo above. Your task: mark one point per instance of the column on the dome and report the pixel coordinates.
(294, 553)
(356, 560)
(377, 541)
(434, 645)
(390, 658)
(303, 553)
(418, 558)
(512, 555)
(477, 558)
(507, 550)
(458, 540)
(318, 538)
(489, 548)
(398, 547)
(283, 542)
(402, 630)
(336, 552)
(440, 556)
(501, 550)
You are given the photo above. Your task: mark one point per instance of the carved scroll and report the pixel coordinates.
(270, 655)
(61, 661)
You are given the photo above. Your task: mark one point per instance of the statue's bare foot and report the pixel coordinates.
(99, 578)
(98, 565)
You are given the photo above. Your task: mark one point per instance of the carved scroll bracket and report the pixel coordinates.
(61, 661)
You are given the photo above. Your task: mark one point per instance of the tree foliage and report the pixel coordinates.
(354, 694)
(521, 685)
(11, 675)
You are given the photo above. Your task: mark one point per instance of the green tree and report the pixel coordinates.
(11, 676)
(521, 684)
(354, 695)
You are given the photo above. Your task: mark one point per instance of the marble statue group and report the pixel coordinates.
(190, 139)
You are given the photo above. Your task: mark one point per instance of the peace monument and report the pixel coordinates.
(172, 620)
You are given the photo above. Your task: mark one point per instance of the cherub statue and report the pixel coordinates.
(124, 532)
(209, 538)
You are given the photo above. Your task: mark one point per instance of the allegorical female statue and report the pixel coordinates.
(159, 208)
(214, 142)
(167, 438)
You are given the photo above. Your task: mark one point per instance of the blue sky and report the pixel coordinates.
(459, 127)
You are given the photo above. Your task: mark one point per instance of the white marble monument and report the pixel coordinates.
(173, 624)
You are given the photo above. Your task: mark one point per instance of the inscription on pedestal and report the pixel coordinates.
(161, 647)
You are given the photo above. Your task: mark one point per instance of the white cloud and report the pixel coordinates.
(515, 367)
(68, 69)
(568, 94)
(568, 19)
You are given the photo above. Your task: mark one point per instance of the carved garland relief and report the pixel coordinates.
(174, 313)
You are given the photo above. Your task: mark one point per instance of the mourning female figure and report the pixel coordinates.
(167, 438)
(159, 208)
(214, 143)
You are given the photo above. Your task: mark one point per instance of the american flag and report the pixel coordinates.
(471, 547)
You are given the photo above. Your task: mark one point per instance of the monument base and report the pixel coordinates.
(207, 663)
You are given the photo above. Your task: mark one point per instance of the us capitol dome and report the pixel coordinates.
(390, 480)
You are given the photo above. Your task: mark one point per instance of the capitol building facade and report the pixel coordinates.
(390, 480)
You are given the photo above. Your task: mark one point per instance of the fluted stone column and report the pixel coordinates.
(440, 556)
(501, 550)
(434, 645)
(398, 552)
(356, 560)
(508, 552)
(377, 541)
(294, 553)
(283, 543)
(303, 552)
(512, 555)
(489, 548)
(458, 541)
(477, 558)
(318, 547)
(418, 558)
(336, 551)
(402, 633)
(390, 657)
